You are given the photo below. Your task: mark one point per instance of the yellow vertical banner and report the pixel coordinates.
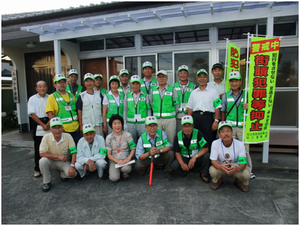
(262, 82)
(233, 61)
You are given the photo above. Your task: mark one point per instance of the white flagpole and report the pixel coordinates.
(225, 69)
(246, 82)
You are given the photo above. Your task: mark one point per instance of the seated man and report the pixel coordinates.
(91, 152)
(228, 158)
(55, 150)
(190, 149)
(154, 142)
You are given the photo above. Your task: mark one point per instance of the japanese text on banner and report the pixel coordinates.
(233, 62)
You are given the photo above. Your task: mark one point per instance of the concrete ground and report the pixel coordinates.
(272, 197)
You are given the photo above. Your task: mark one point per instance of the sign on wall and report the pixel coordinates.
(262, 82)
(15, 86)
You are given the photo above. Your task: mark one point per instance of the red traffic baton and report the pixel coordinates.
(151, 171)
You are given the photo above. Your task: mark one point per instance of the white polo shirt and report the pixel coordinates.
(220, 88)
(203, 100)
(37, 105)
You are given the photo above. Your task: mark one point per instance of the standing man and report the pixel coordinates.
(147, 83)
(63, 105)
(228, 158)
(91, 152)
(55, 150)
(218, 83)
(36, 110)
(184, 89)
(154, 142)
(190, 149)
(203, 103)
(89, 106)
(164, 102)
(98, 83)
(124, 78)
(136, 108)
(73, 87)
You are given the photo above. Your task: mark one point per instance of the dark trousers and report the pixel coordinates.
(203, 122)
(203, 162)
(76, 136)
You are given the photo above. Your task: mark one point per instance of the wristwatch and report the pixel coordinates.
(72, 165)
(217, 120)
(160, 150)
(196, 156)
(240, 168)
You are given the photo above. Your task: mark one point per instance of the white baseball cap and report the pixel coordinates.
(88, 75)
(202, 71)
(55, 122)
(150, 120)
(162, 72)
(187, 119)
(59, 77)
(122, 71)
(72, 71)
(147, 64)
(87, 128)
(224, 123)
(234, 75)
(183, 67)
(98, 75)
(135, 78)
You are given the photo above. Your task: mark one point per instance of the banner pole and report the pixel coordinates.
(225, 69)
(246, 82)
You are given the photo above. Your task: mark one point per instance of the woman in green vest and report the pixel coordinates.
(112, 103)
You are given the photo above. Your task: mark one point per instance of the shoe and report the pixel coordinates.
(252, 176)
(46, 187)
(147, 172)
(125, 176)
(204, 178)
(37, 174)
(215, 186)
(184, 173)
(241, 186)
(64, 179)
(169, 175)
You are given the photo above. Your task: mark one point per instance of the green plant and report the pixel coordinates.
(9, 121)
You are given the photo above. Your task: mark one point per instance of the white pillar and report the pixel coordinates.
(57, 57)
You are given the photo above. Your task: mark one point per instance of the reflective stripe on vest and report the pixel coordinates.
(153, 84)
(159, 142)
(193, 145)
(183, 98)
(236, 116)
(78, 91)
(65, 116)
(139, 109)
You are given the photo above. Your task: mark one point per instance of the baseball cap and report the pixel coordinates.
(98, 75)
(147, 64)
(161, 72)
(114, 77)
(135, 78)
(224, 123)
(217, 65)
(187, 119)
(202, 71)
(87, 128)
(88, 75)
(122, 71)
(59, 77)
(72, 71)
(55, 122)
(183, 67)
(150, 120)
(234, 75)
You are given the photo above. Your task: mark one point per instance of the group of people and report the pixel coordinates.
(82, 129)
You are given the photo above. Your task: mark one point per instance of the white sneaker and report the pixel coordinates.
(37, 174)
(252, 176)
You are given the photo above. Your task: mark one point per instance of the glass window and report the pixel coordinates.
(195, 62)
(165, 61)
(124, 42)
(115, 65)
(285, 29)
(132, 64)
(158, 39)
(191, 36)
(91, 45)
(237, 32)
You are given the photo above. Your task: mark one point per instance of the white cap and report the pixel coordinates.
(88, 75)
(114, 77)
(150, 120)
(87, 128)
(234, 75)
(183, 67)
(72, 71)
(224, 123)
(59, 77)
(55, 122)
(135, 78)
(147, 64)
(162, 72)
(122, 71)
(187, 119)
(98, 75)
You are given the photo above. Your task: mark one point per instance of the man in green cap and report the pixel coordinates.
(124, 78)
(73, 87)
(147, 83)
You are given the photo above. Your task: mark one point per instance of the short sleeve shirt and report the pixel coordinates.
(37, 105)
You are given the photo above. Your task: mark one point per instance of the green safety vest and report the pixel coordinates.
(164, 108)
(77, 93)
(183, 98)
(236, 116)
(66, 116)
(139, 109)
(152, 85)
(113, 107)
(188, 153)
(102, 90)
(159, 142)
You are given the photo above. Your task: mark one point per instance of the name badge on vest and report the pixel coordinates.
(153, 84)
(137, 116)
(168, 93)
(68, 108)
(183, 105)
(159, 143)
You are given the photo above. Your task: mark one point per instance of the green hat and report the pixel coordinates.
(98, 75)
(55, 122)
(88, 75)
(87, 128)
(73, 71)
(224, 123)
(150, 120)
(114, 77)
(59, 77)
(135, 78)
(123, 71)
(234, 75)
(183, 67)
(147, 64)
(187, 119)
(202, 71)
